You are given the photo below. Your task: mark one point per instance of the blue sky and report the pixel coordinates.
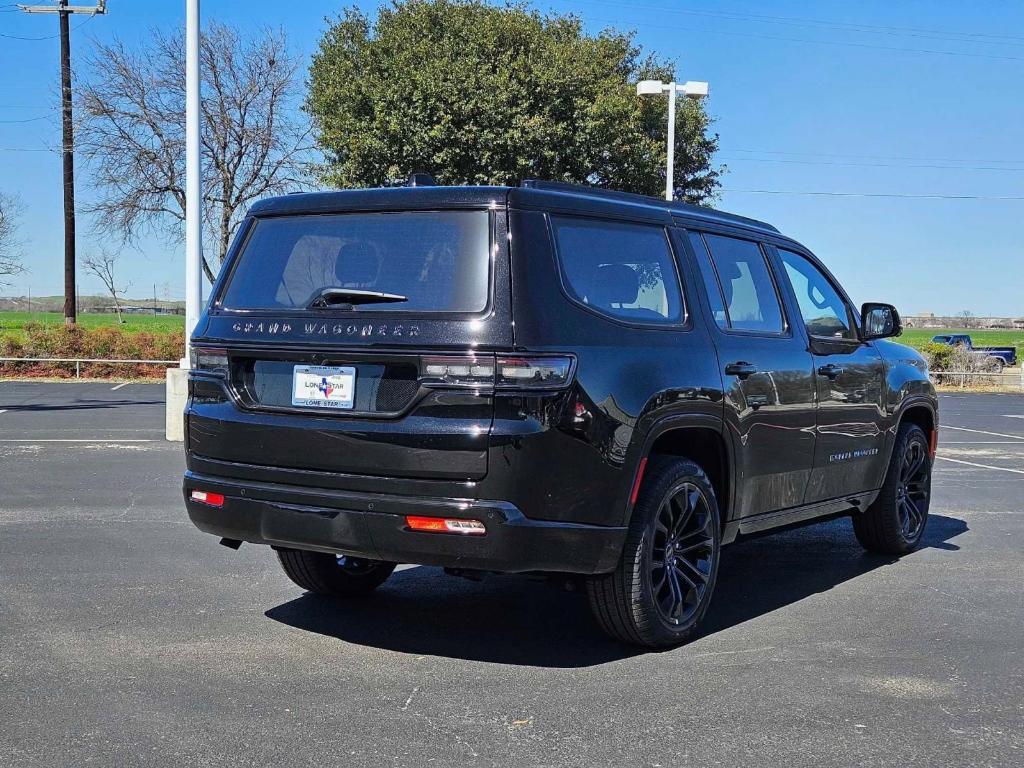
(873, 98)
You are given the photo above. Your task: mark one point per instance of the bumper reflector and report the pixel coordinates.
(206, 497)
(445, 525)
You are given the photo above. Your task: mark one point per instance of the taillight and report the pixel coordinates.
(445, 525)
(208, 497)
(521, 372)
(533, 372)
(468, 370)
(210, 360)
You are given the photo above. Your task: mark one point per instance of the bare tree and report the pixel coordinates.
(10, 246)
(103, 266)
(133, 132)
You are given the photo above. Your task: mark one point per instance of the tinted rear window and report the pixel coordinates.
(438, 260)
(622, 270)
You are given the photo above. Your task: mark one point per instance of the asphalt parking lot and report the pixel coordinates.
(129, 638)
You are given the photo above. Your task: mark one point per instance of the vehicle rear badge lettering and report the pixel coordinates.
(324, 329)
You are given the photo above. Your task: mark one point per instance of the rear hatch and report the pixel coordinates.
(357, 343)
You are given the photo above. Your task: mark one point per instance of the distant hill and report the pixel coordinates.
(89, 303)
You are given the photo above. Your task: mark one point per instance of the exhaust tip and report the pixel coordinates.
(231, 543)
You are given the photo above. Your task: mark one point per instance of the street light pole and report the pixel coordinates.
(193, 180)
(691, 89)
(177, 378)
(670, 170)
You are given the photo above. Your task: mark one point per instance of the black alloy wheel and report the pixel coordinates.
(912, 490)
(894, 523)
(683, 556)
(660, 590)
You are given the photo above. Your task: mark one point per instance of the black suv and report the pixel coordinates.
(547, 379)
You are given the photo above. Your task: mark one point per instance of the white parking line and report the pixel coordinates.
(980, 442)
(114, 389)
(3, 411)
(982, 466)
(980, 432)
(1013, 416)
(76, 440)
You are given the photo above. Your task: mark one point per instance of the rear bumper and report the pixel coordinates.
(372, 525)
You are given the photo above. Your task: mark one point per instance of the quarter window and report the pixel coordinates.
(625, 271)
(823, 309)
(748, 293)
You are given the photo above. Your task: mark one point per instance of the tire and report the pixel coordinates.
(999, 365)
(643, 602)
(895, 522)
(337, 575)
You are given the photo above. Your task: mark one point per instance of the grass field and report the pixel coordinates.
(12, 323)
(918, 337)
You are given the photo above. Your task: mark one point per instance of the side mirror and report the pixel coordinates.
(879, 321)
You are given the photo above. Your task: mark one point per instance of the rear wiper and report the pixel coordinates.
(342, 297)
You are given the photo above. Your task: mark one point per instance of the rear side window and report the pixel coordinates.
(435, 261)
(748, 293)
(622, 270)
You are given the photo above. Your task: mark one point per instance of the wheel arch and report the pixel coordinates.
(701, 439)
(922, 413)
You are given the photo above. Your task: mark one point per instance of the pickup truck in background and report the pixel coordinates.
(1001, 356)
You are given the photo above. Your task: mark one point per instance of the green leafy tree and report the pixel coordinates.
(478, 94)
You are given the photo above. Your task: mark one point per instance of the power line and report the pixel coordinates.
(857, 27)
(870, 194)
(30, 119)
(872, 165)
(79, 25)
(843, 43)
(868, 157)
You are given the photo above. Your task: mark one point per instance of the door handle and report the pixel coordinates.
(830, 370)
(740, 369)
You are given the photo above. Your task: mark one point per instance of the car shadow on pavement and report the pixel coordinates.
(79, 405)
(515, 620)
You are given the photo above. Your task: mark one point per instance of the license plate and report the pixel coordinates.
(323, 386)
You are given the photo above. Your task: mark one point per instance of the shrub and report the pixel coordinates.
(968, 368)
(55, 341)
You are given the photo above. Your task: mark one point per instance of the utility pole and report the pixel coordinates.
(63, 10)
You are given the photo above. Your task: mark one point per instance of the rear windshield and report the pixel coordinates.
(437, 261)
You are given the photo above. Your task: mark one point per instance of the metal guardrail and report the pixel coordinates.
(968, 379)
(79, 360)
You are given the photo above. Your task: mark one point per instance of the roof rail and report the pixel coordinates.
(698, 211)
